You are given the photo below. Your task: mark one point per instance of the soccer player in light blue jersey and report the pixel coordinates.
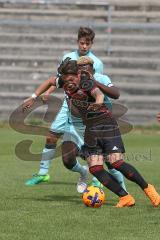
(85, 41)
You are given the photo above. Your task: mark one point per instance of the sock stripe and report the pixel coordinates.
(50, 146)
(96, 168)
(117, 164)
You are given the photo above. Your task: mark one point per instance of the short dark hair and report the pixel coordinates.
(87, 33)
(68, 66)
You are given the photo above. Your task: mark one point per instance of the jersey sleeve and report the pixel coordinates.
(65, 56)
(98, 66)
(104, 79)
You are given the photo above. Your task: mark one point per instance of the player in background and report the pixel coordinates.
(102, 135)
(85, 42)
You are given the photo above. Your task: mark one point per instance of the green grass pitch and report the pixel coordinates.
(54, 210)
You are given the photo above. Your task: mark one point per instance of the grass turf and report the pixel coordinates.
(54, 210)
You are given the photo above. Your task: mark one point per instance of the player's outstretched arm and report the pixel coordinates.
(112, 92)
(41, 89)
(47, 93)
(46, 85)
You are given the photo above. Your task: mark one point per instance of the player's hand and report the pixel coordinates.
(28, 103)
(94, 106)
(158, 117)
(45, 98)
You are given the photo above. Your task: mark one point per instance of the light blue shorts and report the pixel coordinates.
(74, 131)
(71, 127)
(58, 125)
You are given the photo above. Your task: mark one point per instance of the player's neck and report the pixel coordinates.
(80, 55)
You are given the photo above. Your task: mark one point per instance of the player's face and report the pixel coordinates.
(86, 68)
(70, 78)
(84, 46)
(71, 82)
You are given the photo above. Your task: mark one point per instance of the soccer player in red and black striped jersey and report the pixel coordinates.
(102, 135)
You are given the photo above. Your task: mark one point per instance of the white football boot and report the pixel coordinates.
(81, 184)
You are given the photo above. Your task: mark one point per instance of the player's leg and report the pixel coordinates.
(116, 174)
(114, 147)
(74, 132)
(47, 155)
(96, 168)
(103, 133)
(73, 137)
(97, 145)
(57, 128)
(131, 173)
(48, 152)
(69, 154)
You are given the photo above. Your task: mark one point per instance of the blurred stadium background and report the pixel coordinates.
(35, 34)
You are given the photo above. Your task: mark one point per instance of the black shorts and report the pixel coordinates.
(104, 138)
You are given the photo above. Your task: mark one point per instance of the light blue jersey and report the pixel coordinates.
(98, 65)
(105, 80)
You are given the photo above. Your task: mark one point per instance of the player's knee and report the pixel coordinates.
(114, 157)
(52, 138)
(69, 161)
(69, 153)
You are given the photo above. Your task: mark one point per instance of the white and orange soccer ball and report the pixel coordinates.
(93, 197)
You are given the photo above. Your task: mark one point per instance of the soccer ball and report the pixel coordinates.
(93, 197)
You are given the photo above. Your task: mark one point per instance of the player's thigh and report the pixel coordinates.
(58, 125)
(112, 143)
(74, 133)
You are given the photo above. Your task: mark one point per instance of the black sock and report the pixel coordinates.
(109, 166)
(107, 180)
(130, 173)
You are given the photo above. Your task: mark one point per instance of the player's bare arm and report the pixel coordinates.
(41, 89)
(99, 99)
(46, 85)
(111, 92)
(47, 93)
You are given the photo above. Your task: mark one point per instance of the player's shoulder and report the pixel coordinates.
(72, 55)
(102, 78)
(94, 57)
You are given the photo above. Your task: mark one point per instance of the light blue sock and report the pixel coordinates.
(94, 179)
(47, 156)
(79, 168)
(119, 177)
